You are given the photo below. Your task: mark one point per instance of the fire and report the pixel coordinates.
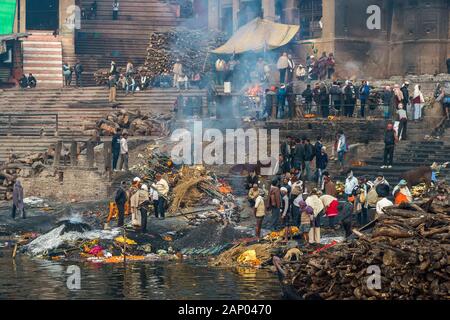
(255, 90)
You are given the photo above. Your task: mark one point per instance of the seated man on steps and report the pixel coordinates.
(31, 81)
(23, 82)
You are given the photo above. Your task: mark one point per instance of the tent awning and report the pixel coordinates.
(258, 34)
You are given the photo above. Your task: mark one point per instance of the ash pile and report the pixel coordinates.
(135, 123)
(75, 240)
(409, 245)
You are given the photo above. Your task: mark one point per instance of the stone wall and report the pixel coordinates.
(414, 37)
(75, 184)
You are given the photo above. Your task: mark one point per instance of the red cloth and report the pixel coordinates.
(332, 210)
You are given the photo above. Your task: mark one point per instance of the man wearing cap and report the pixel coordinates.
(390, 138)
(144, 202)
(401, 193)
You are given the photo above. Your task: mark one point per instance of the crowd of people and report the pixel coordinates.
(138, 197)
(291, 201)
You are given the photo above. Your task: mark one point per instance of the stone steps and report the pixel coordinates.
(75, 108)
(42, 56)
(102, 39)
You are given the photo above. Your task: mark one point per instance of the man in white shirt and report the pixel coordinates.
(162, 187)
(385, 202)
(123, 160)
(350, 183)
(383, 192)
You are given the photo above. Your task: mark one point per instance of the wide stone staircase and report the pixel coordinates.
(42, 56)
(29, 119)
(102, 39)
(408, 155)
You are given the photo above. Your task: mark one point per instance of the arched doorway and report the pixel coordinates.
(42, 14)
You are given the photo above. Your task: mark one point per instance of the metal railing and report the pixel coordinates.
(22, 123)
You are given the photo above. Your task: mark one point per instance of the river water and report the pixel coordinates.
(31, 278)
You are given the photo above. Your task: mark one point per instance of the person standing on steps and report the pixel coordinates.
(18, 205)
(67, 72)
(390, 139)
(115, 149)
(123, 162)
(112, 88)
(121, 199)
(417, 102)
(282, 66)
(403, 117)
(364, 92)
(78, 71)
(115, 10)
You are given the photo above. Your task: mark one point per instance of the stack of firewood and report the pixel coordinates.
(15, 167)
(408, 248)
(192, 47)
(134, 123)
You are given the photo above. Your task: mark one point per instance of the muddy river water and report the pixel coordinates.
(32, 278)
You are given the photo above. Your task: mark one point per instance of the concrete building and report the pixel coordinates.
(370, 38)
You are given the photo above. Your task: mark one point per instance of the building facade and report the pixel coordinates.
(370, 38)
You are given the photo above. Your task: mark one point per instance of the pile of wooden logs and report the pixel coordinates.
(15, 167)
(409, 248)
(192, 47)
(135, 124)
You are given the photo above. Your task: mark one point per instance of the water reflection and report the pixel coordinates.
(28, 278)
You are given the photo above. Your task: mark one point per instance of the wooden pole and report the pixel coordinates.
(73, 154)
(90, 154)
(57, 158)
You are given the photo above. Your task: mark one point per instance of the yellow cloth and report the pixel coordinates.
(259, 34)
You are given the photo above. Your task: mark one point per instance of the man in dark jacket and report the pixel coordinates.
(299, 154)
(389, 146)
(309, 156)
(120, 199)
(307, 94)
(405, 92)
(349, 99)
(116, 148)
(364, 92)
(78, 71)
(324, 98)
